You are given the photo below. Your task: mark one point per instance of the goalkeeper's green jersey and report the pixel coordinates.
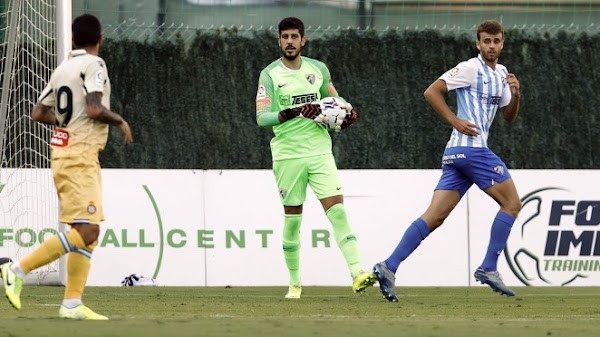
(280, 88)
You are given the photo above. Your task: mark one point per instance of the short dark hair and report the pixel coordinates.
(86, 31)
(490, 27)
(291, 23)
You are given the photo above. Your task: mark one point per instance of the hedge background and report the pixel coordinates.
(191, 105)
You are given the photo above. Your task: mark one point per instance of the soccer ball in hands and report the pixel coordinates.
(334, 111)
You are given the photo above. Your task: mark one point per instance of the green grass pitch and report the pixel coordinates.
(322, 311)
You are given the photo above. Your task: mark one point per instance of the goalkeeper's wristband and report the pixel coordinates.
(288, 114)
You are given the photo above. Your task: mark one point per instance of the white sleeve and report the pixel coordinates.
(95, 76)
(506, 94)
(47, 96)
(460, 76)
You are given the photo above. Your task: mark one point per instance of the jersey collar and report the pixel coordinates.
(480, 58)
(77, 52)
(289, 69)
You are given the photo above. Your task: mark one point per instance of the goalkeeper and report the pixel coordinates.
(287, 100)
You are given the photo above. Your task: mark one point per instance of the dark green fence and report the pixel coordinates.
(192, 105)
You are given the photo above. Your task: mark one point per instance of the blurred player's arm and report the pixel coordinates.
(511, 111)
(42, 111)
(95, 78)
(435, 96)
(43, 114)
(98, 112)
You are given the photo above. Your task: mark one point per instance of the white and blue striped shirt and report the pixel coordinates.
(480, 91)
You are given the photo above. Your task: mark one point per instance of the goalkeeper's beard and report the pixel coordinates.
(291, 57)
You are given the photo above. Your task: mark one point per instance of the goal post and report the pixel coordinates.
(35, 38)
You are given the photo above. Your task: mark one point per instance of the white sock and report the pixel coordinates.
(17, 269)
(71, 302)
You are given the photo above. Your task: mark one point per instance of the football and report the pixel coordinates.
(333, 113)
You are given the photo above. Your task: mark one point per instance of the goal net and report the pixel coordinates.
(28, 201)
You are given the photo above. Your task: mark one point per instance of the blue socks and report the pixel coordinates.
(411, 239)
(418, 231)
(500, 231)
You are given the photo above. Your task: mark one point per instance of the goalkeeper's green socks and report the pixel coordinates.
(291, 246)
(344, 237)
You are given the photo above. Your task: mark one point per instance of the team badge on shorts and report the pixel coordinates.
(283, 193)
(91, 208)
(499, 169)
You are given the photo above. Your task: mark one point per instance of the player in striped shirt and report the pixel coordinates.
(482, 87)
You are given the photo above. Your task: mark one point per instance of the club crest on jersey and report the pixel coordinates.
(499, 169)
(283, 193)
(310, 78)
(91, 208)
(60, 138)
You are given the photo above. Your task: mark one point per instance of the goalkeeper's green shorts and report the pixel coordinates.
(293, 175)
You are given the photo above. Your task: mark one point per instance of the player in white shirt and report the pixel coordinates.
(482, 87)
(77, 102)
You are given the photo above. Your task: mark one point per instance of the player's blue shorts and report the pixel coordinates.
(462, 166)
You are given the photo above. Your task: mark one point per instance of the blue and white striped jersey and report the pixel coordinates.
(480, 91)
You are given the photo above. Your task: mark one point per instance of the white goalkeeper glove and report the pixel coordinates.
(332, 119)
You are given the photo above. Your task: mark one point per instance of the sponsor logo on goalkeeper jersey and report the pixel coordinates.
(60, 138)
(303, 99)
(557, 239)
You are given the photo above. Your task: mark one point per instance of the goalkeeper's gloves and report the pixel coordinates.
(310, 110)
(350, 118)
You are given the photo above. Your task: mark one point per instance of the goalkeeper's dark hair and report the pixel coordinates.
(291, 23)
(86, 31)
(490, 27)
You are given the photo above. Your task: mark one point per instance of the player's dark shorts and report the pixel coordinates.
(462, 166)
